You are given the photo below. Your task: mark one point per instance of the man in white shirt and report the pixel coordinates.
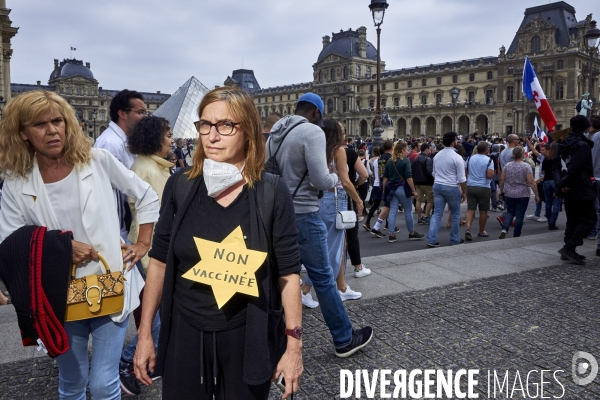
(126, 109)
(448, 174)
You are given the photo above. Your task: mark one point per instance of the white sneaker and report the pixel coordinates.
(362, 272)
(349, 294)
(532, 216)
(308, 301)
(542, 219)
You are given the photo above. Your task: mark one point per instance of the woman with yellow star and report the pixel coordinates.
(224, 267)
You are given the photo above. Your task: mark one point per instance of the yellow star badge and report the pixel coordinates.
(229, 267)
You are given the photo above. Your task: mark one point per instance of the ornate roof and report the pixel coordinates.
(345, 43)
(71, 67)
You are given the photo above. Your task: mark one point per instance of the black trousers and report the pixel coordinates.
(352, 240)
(195, 357)
(581, 217)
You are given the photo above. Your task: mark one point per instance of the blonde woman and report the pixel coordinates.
(55, 179)
(397, 173)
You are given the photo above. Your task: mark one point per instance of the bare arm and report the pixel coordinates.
(362, 172)
(501, 183)
(533, 187)
(290, 364)
(342, 171)
(145, 354)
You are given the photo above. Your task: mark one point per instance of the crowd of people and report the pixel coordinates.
(286, 196)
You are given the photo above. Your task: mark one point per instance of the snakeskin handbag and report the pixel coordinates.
(95, 295)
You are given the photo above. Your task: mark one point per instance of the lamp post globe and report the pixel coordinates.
(592, 36)
(378, 8)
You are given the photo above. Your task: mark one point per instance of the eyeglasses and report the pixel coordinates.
(224, 128)
(138, 112)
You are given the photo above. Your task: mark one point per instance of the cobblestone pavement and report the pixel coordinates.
(535, 320)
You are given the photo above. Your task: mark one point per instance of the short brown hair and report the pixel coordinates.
(242, 107)
(270, 120)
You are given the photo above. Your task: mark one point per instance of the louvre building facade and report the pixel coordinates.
(418, 99)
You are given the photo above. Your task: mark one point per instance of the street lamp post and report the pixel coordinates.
(592, 36)
(516, 120)
(94, 116)
(378, 10)
(454, 93)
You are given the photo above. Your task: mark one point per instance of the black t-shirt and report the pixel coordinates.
(381, 165)
(207, 219)
(351, 157)
(547, 169)
(179, 153)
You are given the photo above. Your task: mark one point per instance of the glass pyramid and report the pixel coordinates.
(181, 109)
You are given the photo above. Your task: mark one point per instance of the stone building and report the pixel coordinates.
(418, 99)
(76, 83)
(7, 31)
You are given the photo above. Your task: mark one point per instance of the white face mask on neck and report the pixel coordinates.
(219, 176)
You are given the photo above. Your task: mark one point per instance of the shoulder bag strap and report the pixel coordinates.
(394, 164)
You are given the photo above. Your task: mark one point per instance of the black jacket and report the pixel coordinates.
(48, 255)
(265, 337)
(573, 167)
(422, 170)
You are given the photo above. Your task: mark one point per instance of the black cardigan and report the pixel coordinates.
(265, 337)
(40, 302)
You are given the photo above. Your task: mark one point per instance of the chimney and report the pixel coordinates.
(362, 42)
(100, 88)
(158, 92)
(56, 66)
(87, 64)
(39, 83)
(326, 40)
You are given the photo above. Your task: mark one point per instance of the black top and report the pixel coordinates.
(179, 153)
(547, 169)
(196, 301)
(351, 157)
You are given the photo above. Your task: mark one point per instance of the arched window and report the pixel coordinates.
(345, 72)
(535, 44)
(329, 106)
(490, 75)
(454, 79)
(320, 76)
(332, 74)
(560, 64)
(471, 77)
(368, 73)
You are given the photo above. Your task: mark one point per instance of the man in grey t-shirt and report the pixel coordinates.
(505, 157)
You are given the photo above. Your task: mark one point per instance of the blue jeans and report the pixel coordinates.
(552, 203)
(443, 194)
(129, 350)
(312, 239)
(74, 372)
(400, 198)
(515, 208)
(538, 209)
(335, 237)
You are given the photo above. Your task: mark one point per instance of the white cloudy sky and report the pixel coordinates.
(155, 45)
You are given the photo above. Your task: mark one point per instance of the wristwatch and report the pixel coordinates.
(297, 332)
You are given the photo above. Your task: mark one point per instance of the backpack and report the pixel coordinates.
(272, 166)
(578, 106)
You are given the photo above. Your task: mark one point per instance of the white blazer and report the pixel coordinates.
(24, 202)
